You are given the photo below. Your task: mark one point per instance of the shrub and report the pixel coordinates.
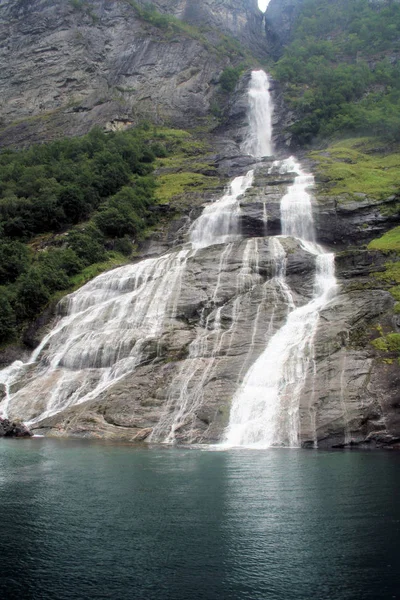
(32, 294)
(230, 77)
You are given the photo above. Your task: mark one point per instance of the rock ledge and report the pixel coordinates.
(13, 429)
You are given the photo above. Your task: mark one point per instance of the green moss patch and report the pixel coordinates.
(187, 167)
(176, 184)
(114, 259)
(357, 167)
(388, 343)
(389, 242)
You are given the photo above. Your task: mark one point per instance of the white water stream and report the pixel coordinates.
(258, 141)
(265, 408)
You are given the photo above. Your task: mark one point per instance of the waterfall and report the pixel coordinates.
(263, 5)
(114, 324)
(7, 376)
(185, 394)
(265, 409)
(259, 139)
(218, 224)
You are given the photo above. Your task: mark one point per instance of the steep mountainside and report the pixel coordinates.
(67, 66)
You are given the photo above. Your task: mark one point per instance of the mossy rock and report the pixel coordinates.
(356, 168)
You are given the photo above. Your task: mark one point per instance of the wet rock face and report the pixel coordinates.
(240, 18)
(341, 222)
(12, 429)
(228, 304)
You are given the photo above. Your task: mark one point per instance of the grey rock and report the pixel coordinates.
(280, 19)
(13, 429)
(66, 68)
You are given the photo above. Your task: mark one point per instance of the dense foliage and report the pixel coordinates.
(342, 70)
(47, 192)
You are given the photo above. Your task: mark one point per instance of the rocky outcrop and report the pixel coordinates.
(13, 429)
(225, 307)
(339, 222)
(67, 66)
(280, 20)
(239, 18)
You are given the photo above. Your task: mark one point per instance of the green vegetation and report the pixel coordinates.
(168, 23)
(357, 166)
(339, 70)
(175, 184)
(388, 343)
(73, 208)
(185, 168)
(389, 242)
(47, 192)
(230, 77)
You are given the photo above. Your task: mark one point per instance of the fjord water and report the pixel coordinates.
(85, 520)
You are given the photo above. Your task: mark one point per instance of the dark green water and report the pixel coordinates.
(82, 520)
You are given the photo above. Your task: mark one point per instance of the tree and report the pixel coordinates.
(14, 260)
(7, 319)
(32, 294)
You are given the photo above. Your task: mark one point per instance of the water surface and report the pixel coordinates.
(83, 520)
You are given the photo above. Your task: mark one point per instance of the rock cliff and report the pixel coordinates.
(67, 66)
(280, 19)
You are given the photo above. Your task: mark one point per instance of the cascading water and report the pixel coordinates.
(258, 142)
(7, 376)
(265, 409)
(218, 224)
(111, 324)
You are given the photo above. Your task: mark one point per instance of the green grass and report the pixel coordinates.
(176, 184)
(352, 167)
(388, 343)
(389, 242)
(171, 134)
(115, 259)
(181, 162)
(182, 172)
